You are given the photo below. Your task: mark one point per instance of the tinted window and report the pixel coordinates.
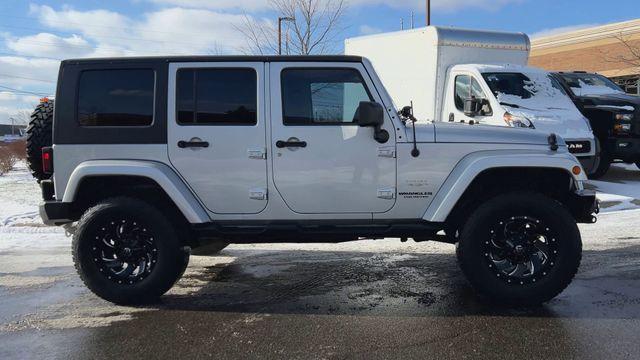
(217, 96)
(322, 96)
(116, 98)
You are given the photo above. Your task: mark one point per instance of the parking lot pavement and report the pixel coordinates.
(367, 299)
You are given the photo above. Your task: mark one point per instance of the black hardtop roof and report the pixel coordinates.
(206, 58)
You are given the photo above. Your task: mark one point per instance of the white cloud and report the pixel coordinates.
(19, 69)
(440, 5)
(50, 45)
(368, 30)
(247, 5)
(560, 30)
(164, 32)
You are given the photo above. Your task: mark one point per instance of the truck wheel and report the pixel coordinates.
(520, 249)
(602, 165)
(39, 135)
(127, 252)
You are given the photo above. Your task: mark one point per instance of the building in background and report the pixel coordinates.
(611, 50)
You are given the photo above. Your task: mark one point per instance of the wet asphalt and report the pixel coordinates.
(363, 300)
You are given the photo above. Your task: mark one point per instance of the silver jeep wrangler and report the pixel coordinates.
(152, 158)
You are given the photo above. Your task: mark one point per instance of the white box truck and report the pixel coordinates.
(475, 77)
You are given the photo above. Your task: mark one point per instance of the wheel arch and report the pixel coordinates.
(94, 180)
(483, 174)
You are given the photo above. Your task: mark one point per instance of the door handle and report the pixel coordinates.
(293, 144)
(193, 144)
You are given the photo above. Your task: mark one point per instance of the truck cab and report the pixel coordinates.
(476, 78)
(614, 116)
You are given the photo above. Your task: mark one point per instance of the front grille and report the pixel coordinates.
(579, 147)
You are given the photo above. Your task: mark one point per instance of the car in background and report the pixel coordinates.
(614, 116)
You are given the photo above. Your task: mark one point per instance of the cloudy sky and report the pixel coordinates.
(35, 35)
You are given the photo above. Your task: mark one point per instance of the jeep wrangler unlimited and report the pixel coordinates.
(153, 157)
(614, 116)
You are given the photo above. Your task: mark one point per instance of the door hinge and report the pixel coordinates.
(387, 151)
(258, 194)
(387, 193)
(257, 153)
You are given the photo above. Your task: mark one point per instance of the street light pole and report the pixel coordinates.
(280, 20)
(428, 12)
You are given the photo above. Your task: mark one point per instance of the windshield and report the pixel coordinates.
(519, 85)
(590, 84)
(521, 90)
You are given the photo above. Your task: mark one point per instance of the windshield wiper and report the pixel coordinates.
(512, 105)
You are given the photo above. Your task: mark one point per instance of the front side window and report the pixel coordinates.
(467, 87)
(322, 96)
(217, 97)
(116, 97)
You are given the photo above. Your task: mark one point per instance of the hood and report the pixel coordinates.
(615, 100)
(566, 121)
(464, 133)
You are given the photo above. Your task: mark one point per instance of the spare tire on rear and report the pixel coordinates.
(39, 135)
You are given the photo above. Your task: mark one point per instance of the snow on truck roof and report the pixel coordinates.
(450, 36)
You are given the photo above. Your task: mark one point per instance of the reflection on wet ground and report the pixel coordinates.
(293, 303)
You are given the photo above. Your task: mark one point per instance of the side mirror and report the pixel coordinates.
(472, 106)
(371, 114)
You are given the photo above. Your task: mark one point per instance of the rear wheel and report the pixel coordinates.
(520, 249)
(127, 252)
(39, 135)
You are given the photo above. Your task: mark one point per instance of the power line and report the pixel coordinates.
(27, 78)
(28, 56)
(103, 36)
(14, 90)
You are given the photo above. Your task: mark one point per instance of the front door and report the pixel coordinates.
(216, 133)
(323, 162)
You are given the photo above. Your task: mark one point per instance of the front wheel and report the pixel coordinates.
(127, 252)
(520, 249)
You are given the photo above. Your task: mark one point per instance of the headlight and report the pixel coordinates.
(623, 123)
(517, 121)
(624, 117)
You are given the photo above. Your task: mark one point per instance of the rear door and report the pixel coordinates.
(217, 133)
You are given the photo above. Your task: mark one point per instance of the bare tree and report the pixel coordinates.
(314, 30)
(22, 117)
(630, 55)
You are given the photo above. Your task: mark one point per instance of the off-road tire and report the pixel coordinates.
(39, 135)
(172, 257)
(475, 265)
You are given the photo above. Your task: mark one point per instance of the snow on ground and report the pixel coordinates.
(21, 226)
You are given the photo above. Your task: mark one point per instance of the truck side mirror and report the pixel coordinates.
(371, 114)
(472, 106)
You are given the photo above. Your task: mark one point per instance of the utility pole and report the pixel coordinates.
(401, 24)
(280, 20)
(412, 20)
(12, 126)
(428, 12)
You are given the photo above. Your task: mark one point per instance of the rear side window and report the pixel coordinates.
(116, 97)
(322, 96)
(217, 97)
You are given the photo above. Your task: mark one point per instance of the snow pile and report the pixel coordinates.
(593, 90)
